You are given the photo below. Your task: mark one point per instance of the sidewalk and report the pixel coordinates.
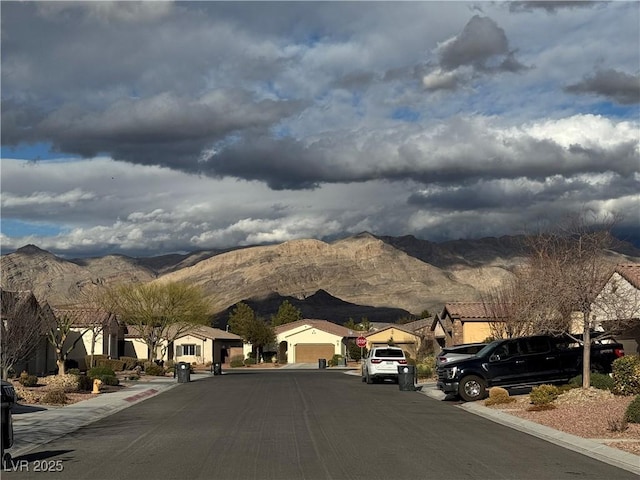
(36, 425)
(590, 448)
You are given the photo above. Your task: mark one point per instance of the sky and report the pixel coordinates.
(154, 127)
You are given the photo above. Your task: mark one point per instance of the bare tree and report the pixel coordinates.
(158, 312)
(566, 271)
(58, 337)
(24, 323)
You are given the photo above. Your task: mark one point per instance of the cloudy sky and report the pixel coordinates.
(149, 128)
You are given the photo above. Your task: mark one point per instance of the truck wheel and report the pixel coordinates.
(472, 388)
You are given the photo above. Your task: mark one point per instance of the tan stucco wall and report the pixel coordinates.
(475, 332)
(206, 350)
(405, 340)
(311, 335)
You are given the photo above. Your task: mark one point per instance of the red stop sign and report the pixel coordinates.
(361, 342)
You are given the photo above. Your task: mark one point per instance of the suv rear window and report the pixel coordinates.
(388, 352)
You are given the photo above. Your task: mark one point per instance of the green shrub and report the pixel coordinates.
(129, 362)
(170, 365)
(87, 360)
(110, 380)
(236, 361)
(54, 397)
(27, 380)
(73, 371)
(601, 381)
(632, 414)
(98, 372)
(115, 365)
(498, 396)
(335, 360)
(85, 384)
(626, 375)
(425, 370)
(544, 394)
(152, 368)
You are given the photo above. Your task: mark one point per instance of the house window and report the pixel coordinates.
(188, 349)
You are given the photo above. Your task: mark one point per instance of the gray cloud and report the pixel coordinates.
(550, 6)
(619, 86)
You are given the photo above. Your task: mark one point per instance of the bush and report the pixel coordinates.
(601, 381)
(27, 380)
(151, 368)
(67, 382)
(170, 365)
(115, 365)
(335, 360)
(425, 370)
(632, 414)
(54, 397)
(85, 384)
(110, 380)
(98, 372)
(498, 396)
(236, 361)
(543, 394)
(626, 375)
(87, 360)
(129, 362)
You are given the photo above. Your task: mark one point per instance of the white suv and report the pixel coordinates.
(381, 363)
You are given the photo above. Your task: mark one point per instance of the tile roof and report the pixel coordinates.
(467, 311)
(85, 317)
(324, 325)
(630, 272)
(201, 331)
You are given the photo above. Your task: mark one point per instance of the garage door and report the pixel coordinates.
(310, 353)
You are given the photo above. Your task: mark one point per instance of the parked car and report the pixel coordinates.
(381, 363)
(522, 362)
(458, 352)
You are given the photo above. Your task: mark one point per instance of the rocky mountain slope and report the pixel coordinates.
(399, 274)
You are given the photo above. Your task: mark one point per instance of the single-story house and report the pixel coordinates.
(618, 300)
(307, 340)
(397, 335)
(100, 332)
(201, 344)
(462, 322)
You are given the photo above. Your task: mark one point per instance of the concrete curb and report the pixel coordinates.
(590, 448)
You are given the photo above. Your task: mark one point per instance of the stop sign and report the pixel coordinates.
(361, 342)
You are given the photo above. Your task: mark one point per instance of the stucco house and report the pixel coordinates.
(97, 332)
(619, 299)
(397, 335)
(201, 345)
(462, 322)
(307, 340)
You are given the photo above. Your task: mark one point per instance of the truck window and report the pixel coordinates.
(535, 345)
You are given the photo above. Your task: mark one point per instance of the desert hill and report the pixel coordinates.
(350, 276)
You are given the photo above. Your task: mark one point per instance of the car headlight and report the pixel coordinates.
(451, 372)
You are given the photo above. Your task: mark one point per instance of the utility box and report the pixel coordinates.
(183, 372)
(406, 378)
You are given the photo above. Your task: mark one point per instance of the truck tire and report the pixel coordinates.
(472, 388)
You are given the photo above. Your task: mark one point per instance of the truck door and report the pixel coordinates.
(543, 362)
(507, 365)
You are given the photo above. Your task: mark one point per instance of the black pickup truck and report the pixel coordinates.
(523, 362)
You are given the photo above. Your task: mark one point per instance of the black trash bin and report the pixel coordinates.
(322, 363)
(217, 368)
(183, 372)
(7, 401)
(406, 378)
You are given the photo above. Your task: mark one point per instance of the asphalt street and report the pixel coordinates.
(296, 424)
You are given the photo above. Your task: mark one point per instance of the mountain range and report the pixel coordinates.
(381, 278)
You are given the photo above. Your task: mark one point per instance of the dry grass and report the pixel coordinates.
(594, 414)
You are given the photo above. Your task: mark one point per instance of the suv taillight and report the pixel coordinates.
(619, 352)
(402, 362)
(376, 360)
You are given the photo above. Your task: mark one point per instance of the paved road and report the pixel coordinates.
(302, 424)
